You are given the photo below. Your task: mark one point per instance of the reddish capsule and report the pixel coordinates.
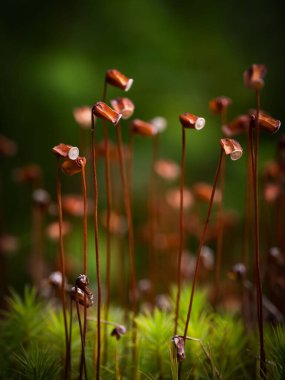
(237, 126)
(71, 167)
(231, 147)
(254, 76)
(66, 151)
(267, 123)
(143, 128)
(82, 116)
(117, 79)
(219, 104)
(103, 111)
(188, 120)
(123, 106)
(167, 169)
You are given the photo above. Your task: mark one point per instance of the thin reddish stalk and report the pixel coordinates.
(202, 239)
(152, 206)
(84, 262)
(247, 225)
(95, 187)
(254, 155)
(108, 232)
(82, 338)
(220, 235)
(62, 267)
(266, 234)
(130, 162)
(70, 333)
(181, 232)
(131, 236)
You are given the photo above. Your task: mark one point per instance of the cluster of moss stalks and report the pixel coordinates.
(33, 343)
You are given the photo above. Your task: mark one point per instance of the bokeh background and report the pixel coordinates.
(180, 53)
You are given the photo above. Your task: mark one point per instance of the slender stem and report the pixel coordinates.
(265, 223)
(62, 265)
(84, 259)
(202, 239)
(70, 333)
(130, 162)
(247, 225)
(108, 232)
(85, 221)
(117, 363)
(181, 232)
(95, 187)
(256, 225)
(220, 235)
(152, 206)
(81, 337)
(131, 237)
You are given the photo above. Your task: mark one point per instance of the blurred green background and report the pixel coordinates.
(180, 54)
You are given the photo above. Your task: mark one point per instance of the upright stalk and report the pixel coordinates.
(254, 157)
(202, 239)
(84, 190)
(181, 232)
(95, 187)
(247, 225)
(83, 361)
(220, 235)
(130, 162)
(131, 237)
(62, 269)
(152, 262)
(108, 240)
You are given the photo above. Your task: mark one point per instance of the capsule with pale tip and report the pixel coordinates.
(103, 111)
(188, 120)
(254, 76)
(66, 151)
(219, 104)
(82, 116)
(123, 106)
(231, 147)
(117, 79)
(267, 122)
(143, 128)
(71, 167)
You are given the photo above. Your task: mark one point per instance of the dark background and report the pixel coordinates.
(180, 53)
